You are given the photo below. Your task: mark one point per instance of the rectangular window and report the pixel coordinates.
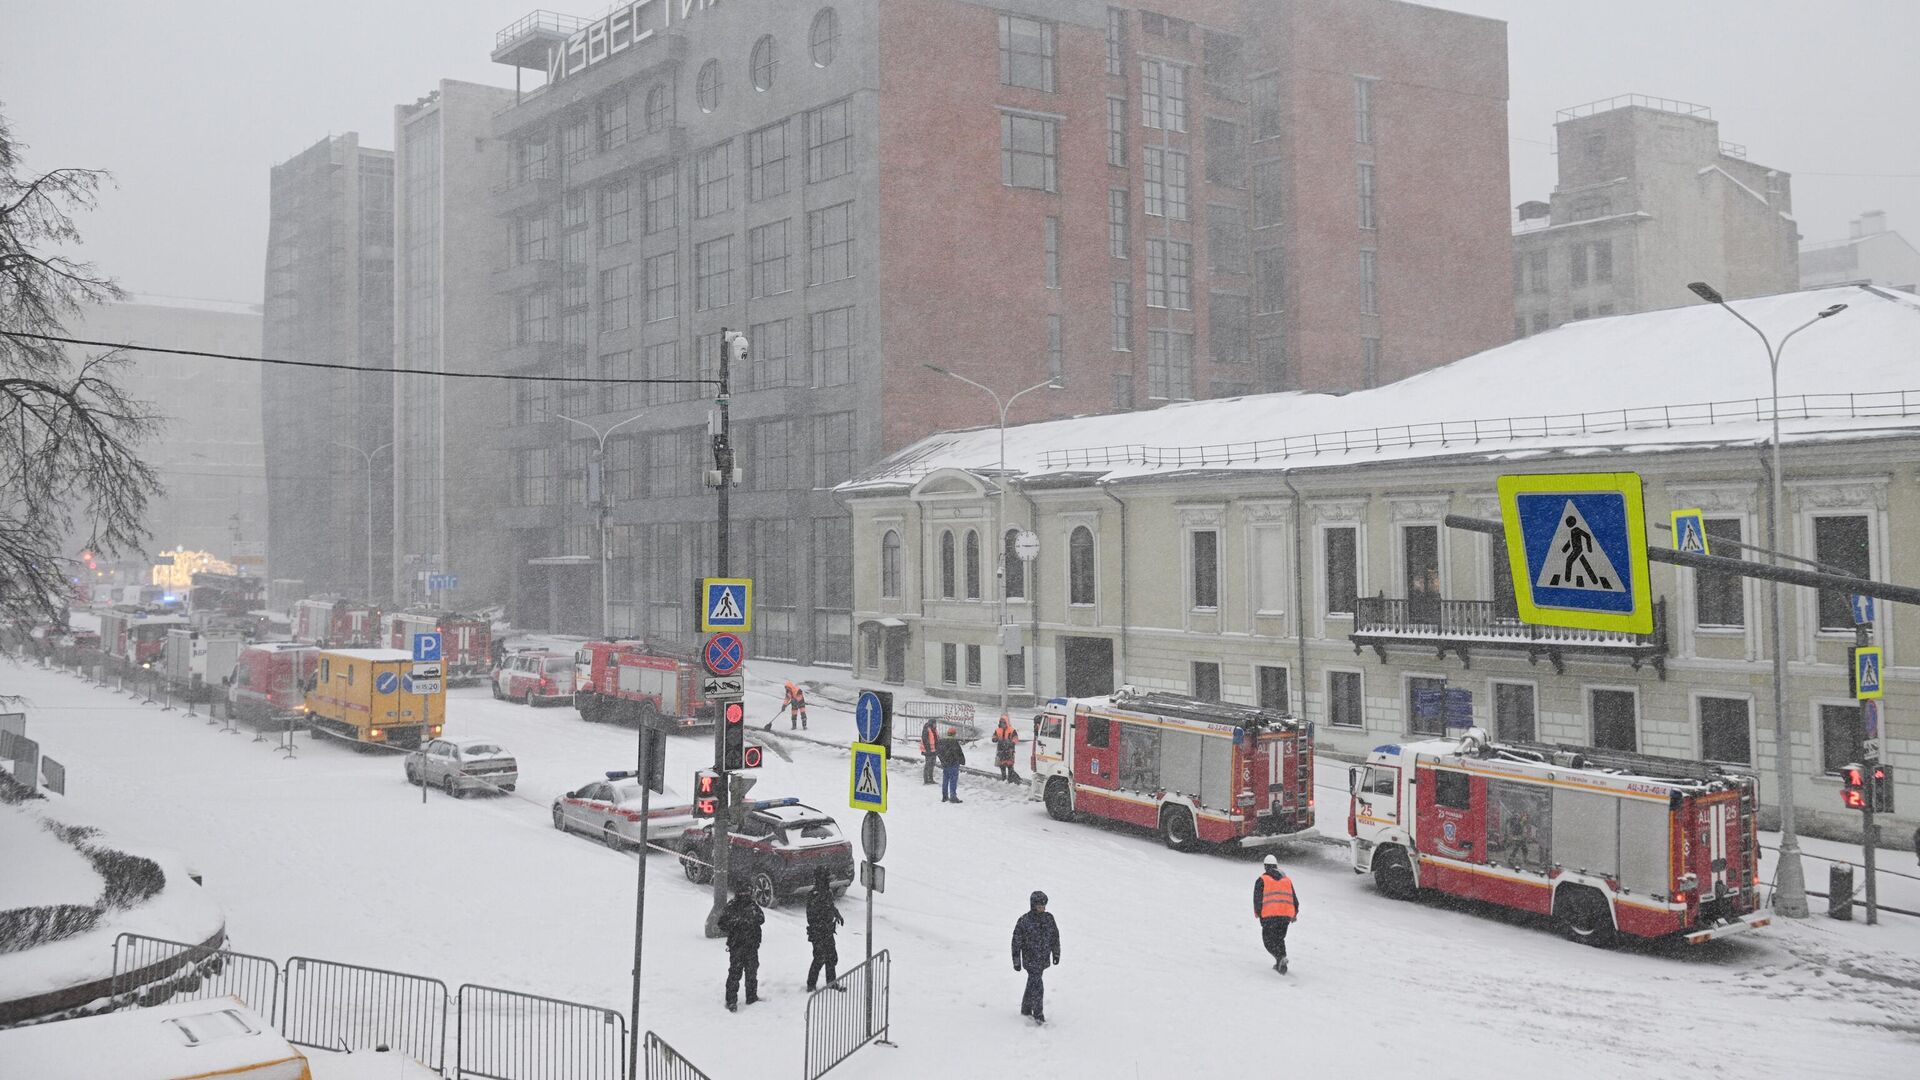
(1270, 353)
(1842, 542)
(1056, 361)
(1204, 565)
(614, 204)
(1369, 361)
(830, 244)
(1513, 712)
(1841, 740)
(1579, 313)
(1268, 194)
(1369, 283)
(1122, 392)
(663, 287)
(713, 274)
(613, 122)
(574, 142)
(1452, 789)
(1116, 41)
(1577, 266)
(1027, 152)
(767, 162)
(1270, 689)
(1540, 322)
(1720, 599)
(767, 261)
(1026, 53)
(949, 663)
(772, 465)
(1206, 680)
(1362, 109)
(533, 319)
(1117, 214)
(1169, 365)
(1164, 182)
(1016, 668)
(530, 161)
(1269, 570)
(1229, 328)
(1345, 707)
(1602, 263)
(1340, 550)
(830, 346)
(617, 396)
(615, 288)
(1170, 274)
(1051, 240)
(829, 142)
(713, 180)
(663, 362)
(1117, 132)
(1163, 95)
(1123, 316)
(1226, 154)
(1366, 195)
(1222, 54)
(1269, 281)
(832, 449)
(772, 355)
(1426, 706)
(1537, 275)
(1725, 734)
(1267, 116)
(1614, 721)
(663, 194)
(1228, 240)
(973, 665)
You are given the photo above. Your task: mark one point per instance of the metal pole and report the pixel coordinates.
(1863, 636)
(605, 507)
(722, 818)
(639, 897)
(868, 979)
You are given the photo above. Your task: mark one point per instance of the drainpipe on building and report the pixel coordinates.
(1033, 593)
(1299, 583)
(1120, 664)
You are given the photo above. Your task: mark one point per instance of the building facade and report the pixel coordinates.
(329, 434)
(1141, 206)
(1315, 572)
(1648, 199)
(448, 468)
(1872, 254)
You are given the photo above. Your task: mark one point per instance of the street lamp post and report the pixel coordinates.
(1790, 888)
(604, 506)
(1000, 506)
(368, 455)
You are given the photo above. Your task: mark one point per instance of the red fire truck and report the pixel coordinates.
(331, 622)
(640, 682)
(466, 641)
(225, 594)
(1196, 771)
(1607, 843)
(267, 679)
(133, 638)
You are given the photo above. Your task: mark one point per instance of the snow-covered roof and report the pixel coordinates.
(1683, 377)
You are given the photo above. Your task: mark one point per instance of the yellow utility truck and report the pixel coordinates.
(376, 696)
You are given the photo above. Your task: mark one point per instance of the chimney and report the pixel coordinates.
(1534, 210)
(1872, 221)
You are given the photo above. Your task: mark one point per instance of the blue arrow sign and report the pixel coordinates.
(426, 647)
(1862, 609)
(386, 682)
(866, 716)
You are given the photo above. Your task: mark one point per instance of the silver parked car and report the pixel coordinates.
(609, 810)
(457, 766)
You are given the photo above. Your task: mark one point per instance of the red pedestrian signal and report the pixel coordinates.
(1882, 789)
(733, 746)
(1853, 788)
(707, 791)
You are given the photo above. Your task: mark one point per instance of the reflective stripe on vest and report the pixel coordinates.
(1276, 898)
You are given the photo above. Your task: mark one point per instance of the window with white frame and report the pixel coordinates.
(1726, 729)
(1369, 282)
(1844, 542)
(713, 274)
(713, 180)
(1164, 182)
(1050, 241)
(1270, 688)
(1016, 567)
(1029, 152)
(1163, 95)
(767, 261)
(949, 663)
(1026, 53)
(1169, 365)
(1366, 195)
(1719, 599)
(1203, 569)
(1426, 705)
(1513, 712)
(1340, 555)
(1116, 41)
(1206, 680)
(1842, 739)
(1080, 566)
(767, 162)
(1270, 569)
(1117, 215)
(973, 665)
(1123, 316)
(1615, 717)
(1117, 132)
(1345, 705)
(948, 575)
(1362, 109)
(973, 564)
(891, 558)
(1170, 275)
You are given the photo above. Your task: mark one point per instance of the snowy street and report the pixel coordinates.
(332, 854)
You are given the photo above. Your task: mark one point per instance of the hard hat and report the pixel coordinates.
(1038, 898)
(1271, 863)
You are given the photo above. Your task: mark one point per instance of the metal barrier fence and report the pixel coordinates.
(946, 714)
(506, 1035)
(842, 1021)
(150, 971)
(333, 1006)
(663, 1062)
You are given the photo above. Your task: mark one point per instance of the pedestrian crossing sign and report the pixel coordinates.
(726, 604)
(1577, 550)
(1690, 532)
(867, 780)
(1866, 673)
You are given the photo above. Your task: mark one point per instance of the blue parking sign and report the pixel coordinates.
(426, 647)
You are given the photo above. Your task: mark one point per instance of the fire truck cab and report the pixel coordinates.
(1607, 843)
(640, 682)
(466, 641)
(1195, 771)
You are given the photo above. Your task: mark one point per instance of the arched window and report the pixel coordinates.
(973, 565)
(659, 109)
(1080, 566)
(824, 37)
(706, 86)
(1016, 569)
(946, 565)
(890, 565)
(762, 63)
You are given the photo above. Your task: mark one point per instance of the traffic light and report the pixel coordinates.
(753, 756)
(1882, 789)
(707, 789)
(1853, 789)
(733, 746)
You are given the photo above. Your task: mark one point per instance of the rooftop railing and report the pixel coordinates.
(1643, 101)
(554, 21)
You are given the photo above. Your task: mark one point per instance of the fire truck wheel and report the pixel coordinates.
(1582, 915)
(764, 893)
(697, 872)
(1177, 830)
(1059, 800)
(1392, 875)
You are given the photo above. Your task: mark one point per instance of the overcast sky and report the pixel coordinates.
(189, 103)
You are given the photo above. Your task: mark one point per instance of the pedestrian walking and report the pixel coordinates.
(740, 920)
(951, 758)
(1005, 739)
(822, 919)
(1036, 945)
(795, 706)
(1276, 906)
(929, 750)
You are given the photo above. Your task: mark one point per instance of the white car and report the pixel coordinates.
(536, 677)
(458, 766)
(610, 811)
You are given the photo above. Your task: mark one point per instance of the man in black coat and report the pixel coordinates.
(822, 918)
(1036, 944)
(952, 756)
(740, 920)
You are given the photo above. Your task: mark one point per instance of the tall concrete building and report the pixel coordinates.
(1204, 200)
(1872, 254)
(448, 467)
(1649, 198)
(329, 298)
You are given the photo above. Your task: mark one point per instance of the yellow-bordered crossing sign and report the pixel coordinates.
(1867, 685)
(726, 604)
(1577, 549)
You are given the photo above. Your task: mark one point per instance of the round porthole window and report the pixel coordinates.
(707, 86)
(824, 38)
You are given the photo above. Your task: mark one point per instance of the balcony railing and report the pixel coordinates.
(1465, 626)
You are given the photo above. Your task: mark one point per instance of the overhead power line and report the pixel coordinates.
(353, 367)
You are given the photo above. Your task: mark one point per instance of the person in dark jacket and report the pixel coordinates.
(822, 918)
(1276, 906)
(740, 920)
(1036, 945)
(929, 749)
(951, 758)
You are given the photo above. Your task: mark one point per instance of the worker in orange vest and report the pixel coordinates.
(929, 746)
(795, 706)
(1276, 906)
(1005, 739)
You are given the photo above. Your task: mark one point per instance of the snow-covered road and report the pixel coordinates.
(332, 854)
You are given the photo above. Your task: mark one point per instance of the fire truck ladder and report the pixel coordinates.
(1671, 770)
(1303, 776)
(1750, 846)
(1177, 706)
